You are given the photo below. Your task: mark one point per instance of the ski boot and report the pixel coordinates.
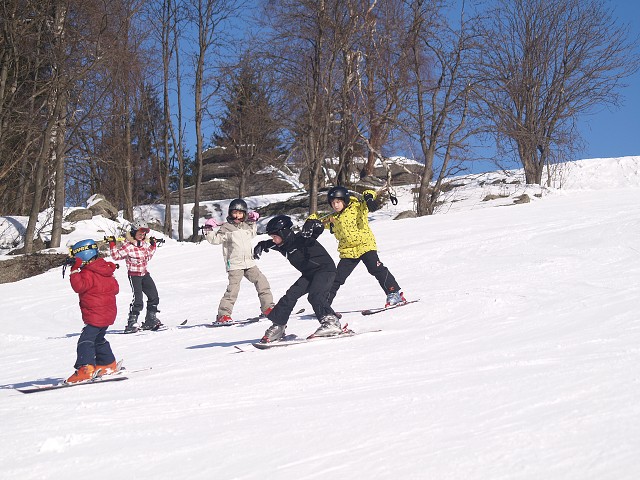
(85, 372)
(265, 314)
(274, 333)
(151, 322)
(132, 323)
(329, 327)
(107, 369)
(394, 298)
(223, 319)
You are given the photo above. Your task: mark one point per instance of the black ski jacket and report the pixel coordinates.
(307, 255)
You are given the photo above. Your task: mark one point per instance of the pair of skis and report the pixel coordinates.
(293, 339)
(116, 376)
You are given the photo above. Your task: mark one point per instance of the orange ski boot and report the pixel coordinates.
(107, 369)
(85, 372)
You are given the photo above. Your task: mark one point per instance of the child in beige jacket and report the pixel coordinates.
(236, 235)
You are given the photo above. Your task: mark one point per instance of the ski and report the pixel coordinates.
(55, 386)
(161, 328)
(242, 322)
(293, 339)
(231, 323)
(372, 311)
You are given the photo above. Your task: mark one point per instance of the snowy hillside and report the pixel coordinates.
(519, 362)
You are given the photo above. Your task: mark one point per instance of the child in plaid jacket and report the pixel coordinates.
(137, 253)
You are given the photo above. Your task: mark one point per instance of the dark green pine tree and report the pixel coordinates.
(146, 139)
(248, 130)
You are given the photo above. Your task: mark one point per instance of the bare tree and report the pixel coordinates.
(547, 62)
(58, 143)
(129, 78)
(384, 82)
(178, 140)
(26, 77)
(347, 26)
(166, 31)
(304, 54)
(439, 119)
(67, 49)
(54, 112)
(168, 17)
(209, 17)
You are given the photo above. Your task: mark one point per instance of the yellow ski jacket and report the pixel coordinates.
(351, 229)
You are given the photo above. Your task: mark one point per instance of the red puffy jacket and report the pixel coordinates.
(97, 288)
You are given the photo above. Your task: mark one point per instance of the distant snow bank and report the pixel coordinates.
(601, 174)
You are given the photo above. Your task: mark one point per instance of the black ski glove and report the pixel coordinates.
(152, 241)
(312, 228)
(369, 199)
(262, 247)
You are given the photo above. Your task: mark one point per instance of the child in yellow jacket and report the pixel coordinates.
(356, 242)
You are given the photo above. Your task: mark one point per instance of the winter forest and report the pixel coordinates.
(99, 97)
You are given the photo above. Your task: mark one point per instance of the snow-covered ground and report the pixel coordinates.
(520, 361)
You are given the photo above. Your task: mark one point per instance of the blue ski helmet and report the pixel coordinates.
(280, 225)
(85, 250)
(338, 192)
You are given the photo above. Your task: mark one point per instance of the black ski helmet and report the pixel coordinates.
(280, 225)
(238, 204)
(338, 192)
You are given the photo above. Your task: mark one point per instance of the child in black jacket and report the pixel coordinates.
(318, 272)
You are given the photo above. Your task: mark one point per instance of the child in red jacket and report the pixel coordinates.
(92, 279)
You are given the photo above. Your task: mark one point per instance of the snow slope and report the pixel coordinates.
(519, 362)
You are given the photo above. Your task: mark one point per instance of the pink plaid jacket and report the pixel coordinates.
(135, 257)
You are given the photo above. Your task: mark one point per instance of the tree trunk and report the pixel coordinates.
(59, 146)
(128, 162)
(38, 183)
(59, 195)
(198, 169)
(533, 166)
(179, 144)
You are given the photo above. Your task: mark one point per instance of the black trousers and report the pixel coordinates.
(317, 287)
(374, 267)
(143, 285)
(93, 348)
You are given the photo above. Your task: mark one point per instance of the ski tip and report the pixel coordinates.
(390, 307)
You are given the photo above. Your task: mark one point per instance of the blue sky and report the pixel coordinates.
(616, 133)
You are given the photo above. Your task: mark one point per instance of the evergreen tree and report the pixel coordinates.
(248, 130)
(146, 137)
